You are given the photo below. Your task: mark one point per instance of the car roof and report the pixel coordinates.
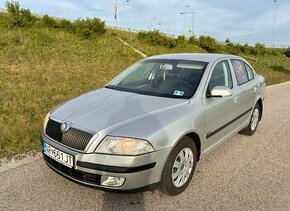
(205, 57)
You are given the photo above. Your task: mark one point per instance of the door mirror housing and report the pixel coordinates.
(221, 91)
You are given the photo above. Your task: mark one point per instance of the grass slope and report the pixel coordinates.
(39, 68)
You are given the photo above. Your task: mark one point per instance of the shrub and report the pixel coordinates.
(274, 52)
(209, 44)
(66, 24)
(193, 40)
(87, 28)
(181, 40)
(260, 48)
(287, 52)
(13, 8)
(19, 17)
(156, 38)
(253, 51)
(245, 48)
(27, 18)
(49, 21)
(234, 48)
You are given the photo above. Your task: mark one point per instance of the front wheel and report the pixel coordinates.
(179, 167)
(254, 121)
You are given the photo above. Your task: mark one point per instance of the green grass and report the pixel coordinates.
(267, 66)
(41, 67)
(150, 50)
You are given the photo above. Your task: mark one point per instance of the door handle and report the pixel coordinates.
(255, 89)
(235, 99)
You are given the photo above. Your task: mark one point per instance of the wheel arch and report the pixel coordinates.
(260, 103)
(196, 139)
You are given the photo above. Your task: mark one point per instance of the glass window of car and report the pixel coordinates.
(240, 71)
(142, 71)
(161, 77)
(221, 76)
(249, 72)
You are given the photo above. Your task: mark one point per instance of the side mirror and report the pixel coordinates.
(221, 91)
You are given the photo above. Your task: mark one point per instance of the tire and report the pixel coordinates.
(254, 121)
(170, 183)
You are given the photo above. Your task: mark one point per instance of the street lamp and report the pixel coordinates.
(272, 37)
(184, 13)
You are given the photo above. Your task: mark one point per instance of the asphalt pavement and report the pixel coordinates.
(245, 173)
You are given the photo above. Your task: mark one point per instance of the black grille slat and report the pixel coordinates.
(79, 175)
(74, 138)
(53, 130)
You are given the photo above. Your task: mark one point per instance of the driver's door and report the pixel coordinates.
(220, 111)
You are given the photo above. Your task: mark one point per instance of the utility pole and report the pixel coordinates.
(184, 13)
(115, 12)
(273, 30)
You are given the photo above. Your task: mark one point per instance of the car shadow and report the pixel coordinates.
(123, 201)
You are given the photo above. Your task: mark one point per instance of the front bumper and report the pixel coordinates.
(138, 171)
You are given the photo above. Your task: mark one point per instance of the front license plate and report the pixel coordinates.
(58, 155)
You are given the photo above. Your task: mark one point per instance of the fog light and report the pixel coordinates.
(112, 181)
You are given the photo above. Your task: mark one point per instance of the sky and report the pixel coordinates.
(246, 21)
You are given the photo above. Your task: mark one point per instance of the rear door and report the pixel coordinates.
(246, 85)
(220, 111)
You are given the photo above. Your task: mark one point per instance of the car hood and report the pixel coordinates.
(110, 109)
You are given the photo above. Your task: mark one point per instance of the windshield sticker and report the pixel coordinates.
(178, 93)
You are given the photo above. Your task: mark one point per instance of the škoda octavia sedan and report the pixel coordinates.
(153, 122)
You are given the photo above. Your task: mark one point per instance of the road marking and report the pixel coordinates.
(135, 49)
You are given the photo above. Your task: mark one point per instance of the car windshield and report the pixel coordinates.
(161, 77)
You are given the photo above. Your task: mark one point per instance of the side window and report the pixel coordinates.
(240, 71)
(249, 71)
(221, 76)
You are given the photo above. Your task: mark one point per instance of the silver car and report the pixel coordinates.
(153, 122)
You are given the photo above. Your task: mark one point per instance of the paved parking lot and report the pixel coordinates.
(245, 173)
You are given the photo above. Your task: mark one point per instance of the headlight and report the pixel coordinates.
(46, 120)
(124, 146)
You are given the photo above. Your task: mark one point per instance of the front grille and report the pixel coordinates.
(74, 138)
(93, 179)
(53, 130)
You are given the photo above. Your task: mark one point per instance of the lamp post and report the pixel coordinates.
(184, 13)
(272, 37)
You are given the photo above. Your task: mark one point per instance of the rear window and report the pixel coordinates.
(249, 72)
(240, 71)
